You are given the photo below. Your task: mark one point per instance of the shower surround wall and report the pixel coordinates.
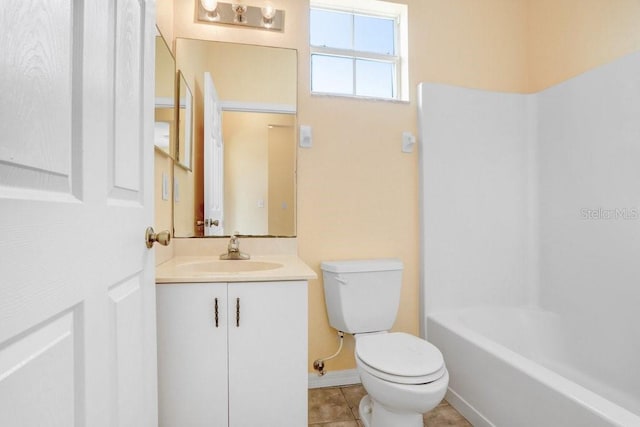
(477, 209)
(589, 151)
(533, 201)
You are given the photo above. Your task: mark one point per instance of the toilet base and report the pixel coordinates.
(373, 414)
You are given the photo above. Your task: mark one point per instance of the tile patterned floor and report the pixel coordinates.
(338, 407)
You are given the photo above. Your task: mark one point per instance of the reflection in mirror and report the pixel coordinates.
(164, 135)
(254, 98)
(259, 159)
(185, 123)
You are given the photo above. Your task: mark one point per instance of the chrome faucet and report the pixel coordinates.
(233, 250)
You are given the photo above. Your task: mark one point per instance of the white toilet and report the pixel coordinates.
(404, 375)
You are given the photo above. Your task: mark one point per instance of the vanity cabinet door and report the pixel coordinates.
(268, 354)
(192, 354)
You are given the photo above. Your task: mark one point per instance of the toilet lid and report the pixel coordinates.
(400, 355)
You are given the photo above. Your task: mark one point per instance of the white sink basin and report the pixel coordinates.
(220, 266)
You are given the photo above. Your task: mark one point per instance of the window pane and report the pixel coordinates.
(331, 29)
(374, 34)
(374, 78)
(331, 74)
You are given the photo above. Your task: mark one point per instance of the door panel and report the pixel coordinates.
(126, 326)
(77, 298)
(213, 160)
(192, 356)
(127, 90)
(50, 356)
(267, 352)
(38, 46)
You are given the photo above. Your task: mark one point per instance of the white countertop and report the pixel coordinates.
(193, 269)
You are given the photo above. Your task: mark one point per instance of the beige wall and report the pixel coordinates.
(165, 70)
(357, 192)
(234, 70)
(568, 37)
(282, 166)
(184, 219)
(162, 208)
(164, 20)
(247, 170)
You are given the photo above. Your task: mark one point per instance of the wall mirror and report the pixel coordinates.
(165, 92)
(184, 151)
(244, 146)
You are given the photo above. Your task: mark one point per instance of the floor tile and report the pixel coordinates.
(328, 405)
(353, 394)
(444, 415)
(338, 407)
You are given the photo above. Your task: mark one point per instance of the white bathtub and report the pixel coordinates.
(511, 367)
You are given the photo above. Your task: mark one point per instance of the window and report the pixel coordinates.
(359, 49)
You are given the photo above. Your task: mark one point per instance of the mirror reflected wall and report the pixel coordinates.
(251, 122)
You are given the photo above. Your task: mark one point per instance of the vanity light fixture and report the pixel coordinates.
(266, 17)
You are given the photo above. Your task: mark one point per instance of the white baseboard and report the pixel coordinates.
(469, 412)
(334, 378)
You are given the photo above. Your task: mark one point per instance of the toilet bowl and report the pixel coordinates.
(404, 377)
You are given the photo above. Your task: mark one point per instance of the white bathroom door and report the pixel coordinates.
(213, 160)
(77, 296)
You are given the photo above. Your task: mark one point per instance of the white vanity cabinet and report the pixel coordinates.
(244, 366)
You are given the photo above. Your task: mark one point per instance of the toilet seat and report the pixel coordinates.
(400, 358)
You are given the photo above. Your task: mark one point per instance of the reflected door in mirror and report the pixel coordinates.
(213, 165)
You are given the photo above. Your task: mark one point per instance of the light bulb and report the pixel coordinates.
(268, 12)
(209, 5)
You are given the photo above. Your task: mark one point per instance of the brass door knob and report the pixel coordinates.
(150, 237)
(208, 223)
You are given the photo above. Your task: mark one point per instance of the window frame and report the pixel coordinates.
(376, 9)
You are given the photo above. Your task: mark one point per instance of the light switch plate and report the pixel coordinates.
(306, 141)
(408, 141)
(165, 186)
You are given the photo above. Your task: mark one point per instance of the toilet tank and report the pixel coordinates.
(362, 295)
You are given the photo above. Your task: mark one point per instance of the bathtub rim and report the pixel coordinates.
(600, 406)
